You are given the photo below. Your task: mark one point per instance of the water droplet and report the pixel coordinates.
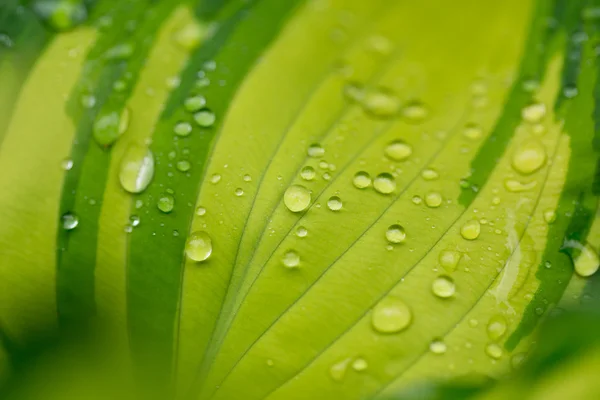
(60, 15)
(473, 323)
(529, 157)
(290, 259)
(362, 180)
(326, 176)
(334, 203)
(473, 131)
(137, 169)
(66, 164)
(307, 173)
(183, 129)
(200, 211)
(429, 174)
(315, 150)
(121, 51)
(433, 199)
(354, 92)
(215, 178)
(449, 259)
(549, 216)
(515, 186)
(198, 246)
(190, 35)
(534, 113)
(381, 103)
(166, 203)
(587, 261)
(297, 198)
(415, 112)
(570, 91)
(380, 44)
(270, 363)
(437, 346)
(194, 103)
(134, 220)
(496, 327)
(338, 370)
(391, 315)
(395, 234)
(239, 192)
(70, 221)
(398, 150)
(443, 286)
(247, 178)
(384, 183)
(360, 364)
(107, 129)
(494, 351)
(417, 200)
(471, 230)
(205, 118)
(183, 165)
(301, 232)
(88, 101)
(323, 164)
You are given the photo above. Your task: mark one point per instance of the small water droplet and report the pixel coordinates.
(107, 128)
(391, 315)
(381, 103)
(194, 103)
(60, 15)
(70, 221)
(270, 363)
(534, 113)
(437, 346)
(137, 169)
(301, 232)
(198, 246)
(515, 186)
(183, 165)
(307, 173)
(496, 327)
(380, 44)
(316, 150)
(239, 192)
(200, 211)
(473, 131)
(384, 183)
(334, 203)
(183, 129)
(362, 180)
(121, 51)
(395, 234)
(494, 351)
(471, 230)
(473, 323)
(415, 112)
(190, 35)
(443, 286)
(398, 150)
(570, 91)
(429, 174)
(205, 118)
(549, 216)
(354, 92)
(166, 203)
(433, 199)
(297, 198)
(360, 364)
(529, 157)
(66, 164)
(326, 176)
(134, 220)
(417, 200)
(247, 178)
(338, 370)
(449, 259)
(290, 259)
(323, 164)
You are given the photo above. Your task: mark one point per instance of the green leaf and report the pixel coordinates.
(339, 198)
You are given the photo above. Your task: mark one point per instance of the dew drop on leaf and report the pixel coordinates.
(587, 261)
(338, 370)
(166, 203)
(183, 166)
(190, 35)
(200, 211)
(496, 327)
(194, 103)
(316, 150)
(359, 364)
(215, 178)
(362, 180)
(247, 178)
(70, 221)
(381, 103)
(417, 200)
(198, 246)
(307, 173)
(182, 129)
(533, 113)
(134, 220)
(60, 15)
(395, 234)
(473, 131)
(384, 183)
(107, 129)
(290, 259)
(433, 199)
(471, 230)
(205, 118)
(301, 232)
(449, 259)
(443, 286)
(391, 315)
(297, 198)
(515, 186)
(398, 150)
(334, 203)
(549, 216)
(429, 174)
(239, 192)
(66, 164)
(137, 169)
(529, 157)
(437, 346)
(415, 112)
(494, 351)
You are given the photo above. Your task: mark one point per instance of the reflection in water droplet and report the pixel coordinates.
(198, 246)
(391, 315)
(66, 164)
(587, 260)
(534, 113)
(205, 118)
(70, 221)
(134, 220)
(438, 346)
(384, 183)
(307, 173)
(137, 169)
(471, 229)
(334, 203)
(529, 157)
(166, 203)
(496, 327)
(290, 259)
(433, 199)
(395, 234)
(315, 150)
(443, 286)
(297, 198)
(301, 232)
(494, 351)
(362, 180)
(449, 259)
(398, 150)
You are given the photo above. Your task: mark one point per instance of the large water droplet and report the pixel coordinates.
(362, 180)
(587, 261)
(494, 351)
(443, 286)
(297, 198)
(166, 203)
(198, 246)
(529, 157)
(137, 169)
(449, 259)
(398, 150)
(290, 259)
(496, 327)
(70, 221)
(471, 230)
(433, 199)
(334, 203)
(205, 118)
(391, 315)
(307, 173)
(107, 128)
(384, 183)
(194, 103)
(395, 234)
(360, 364)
